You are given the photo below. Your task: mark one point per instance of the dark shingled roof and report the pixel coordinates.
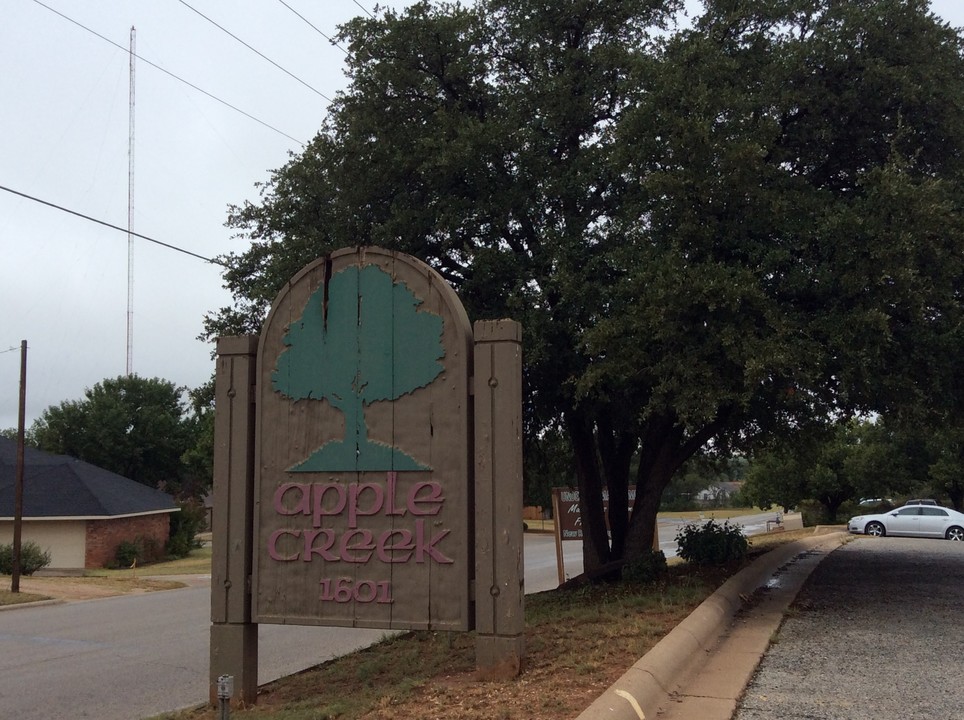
(61, 486)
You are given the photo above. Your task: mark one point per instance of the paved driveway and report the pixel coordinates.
(876, 633)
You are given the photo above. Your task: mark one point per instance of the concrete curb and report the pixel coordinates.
(639, 692)
(35, 603)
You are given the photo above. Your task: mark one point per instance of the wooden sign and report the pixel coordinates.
(568, 516)
(568, 521)
(362, 451)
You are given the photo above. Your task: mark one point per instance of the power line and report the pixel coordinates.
(112, 227)
(170, 74)
(255, 51)
(309, 23)
(364, 8)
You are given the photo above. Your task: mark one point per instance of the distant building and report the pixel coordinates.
(76, 511)
(718, 493)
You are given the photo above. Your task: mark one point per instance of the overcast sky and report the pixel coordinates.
(65, 125)
(64, 99)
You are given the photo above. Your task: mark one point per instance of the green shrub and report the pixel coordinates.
(645, 568)
(711, 543)
(812, 513)
(32, 558)
(145, 550)
(185, 526)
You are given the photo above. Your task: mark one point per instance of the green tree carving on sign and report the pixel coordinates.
(367, 343)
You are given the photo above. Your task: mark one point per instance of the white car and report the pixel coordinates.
(912, 520)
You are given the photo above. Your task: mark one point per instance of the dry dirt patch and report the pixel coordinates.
(91, 588)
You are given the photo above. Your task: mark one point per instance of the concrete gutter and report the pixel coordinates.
(641, 691)
(32, 604)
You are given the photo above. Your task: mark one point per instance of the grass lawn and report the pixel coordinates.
(12, 598)
(105, 583)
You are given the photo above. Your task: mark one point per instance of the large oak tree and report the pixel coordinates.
(710, 234)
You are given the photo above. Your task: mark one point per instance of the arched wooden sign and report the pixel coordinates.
(368, 466)
(363, 468)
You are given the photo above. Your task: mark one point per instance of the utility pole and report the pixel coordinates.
(18, 492)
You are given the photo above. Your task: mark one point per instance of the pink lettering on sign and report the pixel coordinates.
(345, 590)
(358, 546)
(357, 500)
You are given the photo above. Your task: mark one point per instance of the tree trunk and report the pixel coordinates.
(602, 457)
(595, 543)
(657, 463)
(616, 451)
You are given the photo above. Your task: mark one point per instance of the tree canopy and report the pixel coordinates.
(711, 234)
(859, 459)
(133, 426)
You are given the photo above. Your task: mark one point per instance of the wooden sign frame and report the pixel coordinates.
(342, 498)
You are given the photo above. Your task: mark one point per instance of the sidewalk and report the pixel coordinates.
(701, 668)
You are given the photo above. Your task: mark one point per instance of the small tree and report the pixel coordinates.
(776, 476)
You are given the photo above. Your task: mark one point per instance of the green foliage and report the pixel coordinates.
(824, 474)
(142, 549)
(947, 477)
(32, 558)
(711, 543)
(704, 238)
(828, 467)
(127, 553)
(185, 526)
(133, 426)
(645, 567)
(548, 463)
(813, 513)
(775, 477)
(943, 444)
(198, 458)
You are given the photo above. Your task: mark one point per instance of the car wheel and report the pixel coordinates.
(955, 533)
(875, 529)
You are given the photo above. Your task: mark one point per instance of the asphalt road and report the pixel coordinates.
(134, 656)
(875, 633)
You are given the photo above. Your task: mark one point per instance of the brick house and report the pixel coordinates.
(76, 511)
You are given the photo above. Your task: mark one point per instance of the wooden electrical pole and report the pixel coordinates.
(18, 493)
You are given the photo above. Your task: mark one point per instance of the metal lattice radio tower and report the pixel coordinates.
(130, 214)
